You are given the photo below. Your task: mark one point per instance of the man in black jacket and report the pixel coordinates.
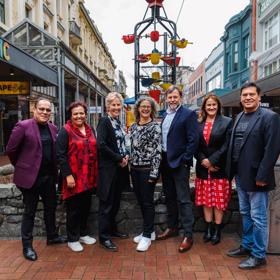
(253, 151)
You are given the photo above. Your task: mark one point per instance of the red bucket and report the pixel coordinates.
(155, 94)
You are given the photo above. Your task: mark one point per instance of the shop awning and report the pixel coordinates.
(25, 65)
(270, 86)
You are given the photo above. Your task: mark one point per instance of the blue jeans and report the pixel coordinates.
(253, 209)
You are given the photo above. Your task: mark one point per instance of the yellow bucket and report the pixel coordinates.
(165, 86)
(155, 57)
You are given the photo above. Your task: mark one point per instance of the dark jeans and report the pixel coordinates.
(177, 190)
(144, 192)
(44, 187)
(77, 212)
(109, 208)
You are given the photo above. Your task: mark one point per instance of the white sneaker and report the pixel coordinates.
(75, 246)
(137, 238)
(144, 244)
(87, 240)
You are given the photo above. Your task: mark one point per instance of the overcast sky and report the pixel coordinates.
(201, 22)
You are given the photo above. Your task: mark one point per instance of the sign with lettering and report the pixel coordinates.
(11, 87)
(4, 50)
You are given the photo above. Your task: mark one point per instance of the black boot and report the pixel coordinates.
(216, 237)
(208, 232)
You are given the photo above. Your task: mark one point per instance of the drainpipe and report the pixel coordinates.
(254, 63)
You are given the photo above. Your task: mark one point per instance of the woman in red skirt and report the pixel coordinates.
(211, 185)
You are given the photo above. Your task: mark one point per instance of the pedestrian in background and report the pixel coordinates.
(212, 188)
(180, 140)
(31, 150)
(145, 157)
(77, 158)
(253, 151)
(113, 170)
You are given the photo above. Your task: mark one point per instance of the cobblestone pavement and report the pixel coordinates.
(162, 261)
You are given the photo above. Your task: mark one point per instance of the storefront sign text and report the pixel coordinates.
(10, 87)
(4, 47)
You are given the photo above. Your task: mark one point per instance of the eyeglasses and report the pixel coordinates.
(47, 110)
(145, 107)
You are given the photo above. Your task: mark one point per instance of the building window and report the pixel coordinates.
(214, 83)
(271, 68)
(235, 56)
(2, 11)
(228, 63)
(246, 52)
(27, 12)
(271, 32)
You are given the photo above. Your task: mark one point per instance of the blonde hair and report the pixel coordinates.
(110, 98)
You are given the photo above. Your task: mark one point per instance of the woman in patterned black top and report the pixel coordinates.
(145, 157)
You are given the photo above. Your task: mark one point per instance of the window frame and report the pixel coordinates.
(2, 11)
(269, 26)
(235, 56)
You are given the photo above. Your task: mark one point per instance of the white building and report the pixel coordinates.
(214, 69)
(267, 37)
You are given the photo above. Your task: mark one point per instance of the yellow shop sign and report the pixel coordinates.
(11, 87)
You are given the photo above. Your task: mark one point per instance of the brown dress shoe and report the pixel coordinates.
(169, 232)
(186, 244)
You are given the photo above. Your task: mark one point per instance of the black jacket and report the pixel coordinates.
(216, 150)
(259, 151)
(109, 158)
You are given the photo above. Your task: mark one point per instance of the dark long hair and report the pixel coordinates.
(202, 114)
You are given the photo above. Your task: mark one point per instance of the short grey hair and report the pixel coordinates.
(110, 98)
(138, 103)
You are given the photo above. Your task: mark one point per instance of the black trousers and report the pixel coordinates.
(144, 192)
(77, 212)
(109, 208)
(44, 187)
(178, 199)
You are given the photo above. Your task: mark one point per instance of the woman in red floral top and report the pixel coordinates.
(211, 185)
(76, 154)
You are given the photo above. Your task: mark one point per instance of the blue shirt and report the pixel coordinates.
(166, 125)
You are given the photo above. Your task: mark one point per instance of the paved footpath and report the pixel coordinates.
(162, 261)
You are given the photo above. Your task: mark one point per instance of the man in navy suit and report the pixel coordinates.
(180, 140)
(253, 151)
(31, 150)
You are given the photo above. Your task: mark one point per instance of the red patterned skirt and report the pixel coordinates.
(212, 193)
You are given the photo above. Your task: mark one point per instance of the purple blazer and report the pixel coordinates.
(24, 150)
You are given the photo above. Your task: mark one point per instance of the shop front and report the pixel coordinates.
(22, 80)
(270, 96)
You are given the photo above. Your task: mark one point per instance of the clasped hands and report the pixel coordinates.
(124, 161)
(207, 164)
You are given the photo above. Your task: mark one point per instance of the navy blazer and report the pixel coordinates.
(259, 151)
(216, 150)
(182, 138)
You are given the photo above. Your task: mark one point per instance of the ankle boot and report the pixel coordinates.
(216, 237)
(208, 233)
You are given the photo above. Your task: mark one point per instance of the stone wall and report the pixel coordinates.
(129, 218)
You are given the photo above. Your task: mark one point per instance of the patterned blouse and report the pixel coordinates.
(120, 135)
(146, 146)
